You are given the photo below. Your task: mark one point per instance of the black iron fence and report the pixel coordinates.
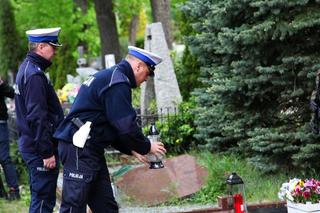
(147, 119)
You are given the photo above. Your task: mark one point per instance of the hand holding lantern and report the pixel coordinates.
(157, 150)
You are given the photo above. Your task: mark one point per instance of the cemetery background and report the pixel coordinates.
(245, 75)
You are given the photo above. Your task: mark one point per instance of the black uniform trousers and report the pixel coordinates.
(86, 180)
(43, 183)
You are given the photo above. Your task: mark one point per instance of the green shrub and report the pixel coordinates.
(17, 160)
(176, 131)
(188, 72)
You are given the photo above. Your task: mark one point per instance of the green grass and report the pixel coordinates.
(13, 206)
(258, 186)
(20, 206)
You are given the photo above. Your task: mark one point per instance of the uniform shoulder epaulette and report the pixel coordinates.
(31, 69)
(118, 77)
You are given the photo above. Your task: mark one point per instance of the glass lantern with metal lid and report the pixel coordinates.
(155, 160)
(236, 190)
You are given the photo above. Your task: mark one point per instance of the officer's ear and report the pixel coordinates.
(139, 66)
(41, 46)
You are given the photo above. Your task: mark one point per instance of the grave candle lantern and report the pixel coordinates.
(155, 160)
(236, 190)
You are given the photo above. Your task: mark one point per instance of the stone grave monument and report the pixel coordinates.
(180, 177)
(163, 87)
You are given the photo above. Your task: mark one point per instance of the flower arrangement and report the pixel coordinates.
(68, 93)
(301, 191)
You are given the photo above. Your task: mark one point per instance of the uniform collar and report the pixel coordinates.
(38, 60)
(126, 69)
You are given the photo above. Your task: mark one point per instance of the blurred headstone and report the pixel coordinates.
(86, 71)
(178, 49)
(81, 60)
(74, 80)
(10, 78)
(180, 177)
(110, 60)
(95, 63)
(164, 86)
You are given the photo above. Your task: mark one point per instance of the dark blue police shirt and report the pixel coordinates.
(105, 100)
(37, 107)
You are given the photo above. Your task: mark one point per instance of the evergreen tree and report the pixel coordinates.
(9, 42)
(258, 62)
(187, 68)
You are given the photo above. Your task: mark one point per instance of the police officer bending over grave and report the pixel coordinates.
(38, 114)
(104, 100)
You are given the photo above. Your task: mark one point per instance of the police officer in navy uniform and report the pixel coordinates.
(104, 99)
(38, 114)
(8, 167)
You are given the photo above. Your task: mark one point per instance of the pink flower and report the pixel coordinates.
(306, 194)
(302, 191)
(297, 190)
(317, 191)
(311, 184)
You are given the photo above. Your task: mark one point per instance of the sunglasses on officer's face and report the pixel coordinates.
(54, 47)
(50, 45)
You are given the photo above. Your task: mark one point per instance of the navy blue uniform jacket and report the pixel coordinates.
(105, 100)
(37, 107)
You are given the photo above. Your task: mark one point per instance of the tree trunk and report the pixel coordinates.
(161, 13)
(10, 52)
(83, 5)
(108, 29)
(133, 29)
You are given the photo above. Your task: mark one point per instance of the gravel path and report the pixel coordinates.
(164, 209)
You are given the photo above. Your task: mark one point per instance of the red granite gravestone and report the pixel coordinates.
(181, 176)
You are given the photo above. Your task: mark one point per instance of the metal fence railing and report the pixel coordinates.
(163, 115)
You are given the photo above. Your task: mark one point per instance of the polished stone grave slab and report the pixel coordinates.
(180, 177)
